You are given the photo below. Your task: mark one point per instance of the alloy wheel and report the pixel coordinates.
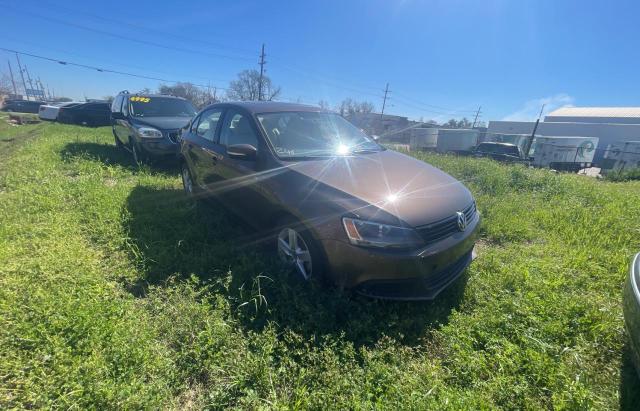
(293, 250)
(186, 180)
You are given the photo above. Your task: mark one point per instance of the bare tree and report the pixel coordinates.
(464, 123)
(197, 95)
(324, 104)
(247, 87)
(6, 87)
(349, 106)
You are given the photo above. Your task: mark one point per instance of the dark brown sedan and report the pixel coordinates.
(342, 206)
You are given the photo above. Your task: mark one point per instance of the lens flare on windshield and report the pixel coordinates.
(392, 198)
(342, 149)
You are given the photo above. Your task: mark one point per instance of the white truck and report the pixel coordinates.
(461, 141)
(423, 138)
(622, 156)
(564, 153)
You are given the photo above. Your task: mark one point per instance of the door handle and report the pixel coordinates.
(213, 154)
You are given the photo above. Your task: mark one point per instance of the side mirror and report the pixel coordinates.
(242, 151)
(116, 115)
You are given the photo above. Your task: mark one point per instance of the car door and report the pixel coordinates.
(116, 108)
(241, 190)
(202, 151)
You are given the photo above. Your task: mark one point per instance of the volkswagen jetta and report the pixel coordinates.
(338, 205)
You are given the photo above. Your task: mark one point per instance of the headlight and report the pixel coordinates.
(371, 234)
(149, 132)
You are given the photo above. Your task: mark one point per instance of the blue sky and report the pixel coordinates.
(441, 58)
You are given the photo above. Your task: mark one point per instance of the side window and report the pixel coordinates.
(125, 105)
(237, 129)
(208, 124)
(117, 103)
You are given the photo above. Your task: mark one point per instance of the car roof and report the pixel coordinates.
(255, 107)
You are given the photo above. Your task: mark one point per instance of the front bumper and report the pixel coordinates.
(631, 307)
(167, 145)
(402, 275)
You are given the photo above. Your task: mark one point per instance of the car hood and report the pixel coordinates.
(403, 186)
(162, 123)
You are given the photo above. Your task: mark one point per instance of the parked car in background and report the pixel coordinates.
(21, 106)
(148, 125)
(498, 151)
(631, 307)
(49, 111)
(339, 206)
(92, 114)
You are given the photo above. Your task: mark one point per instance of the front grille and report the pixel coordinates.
(434, 232)
(173, 135)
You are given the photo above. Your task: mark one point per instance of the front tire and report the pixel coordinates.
(187, 181)
(119, 144)
(138, 157)
(297, 249)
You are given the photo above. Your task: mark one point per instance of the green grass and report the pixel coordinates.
(628, 175)
(117, 292)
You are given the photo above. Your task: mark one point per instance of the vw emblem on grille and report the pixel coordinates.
(462, 221)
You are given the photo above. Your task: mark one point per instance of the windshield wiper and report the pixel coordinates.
(366, 150)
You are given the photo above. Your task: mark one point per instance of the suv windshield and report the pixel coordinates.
(499, 149)
(160, 107)
(313, 134)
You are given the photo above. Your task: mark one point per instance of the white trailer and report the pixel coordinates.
(564, 153)
(622, 156)
(457, 140)
(423, 138)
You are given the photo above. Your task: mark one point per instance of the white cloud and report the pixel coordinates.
(531, 109)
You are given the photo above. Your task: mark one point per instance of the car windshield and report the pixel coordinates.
(314, 134)
(498, 149)
(160, 107)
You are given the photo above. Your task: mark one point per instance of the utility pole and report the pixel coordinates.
(384, 101)
(22, 76)
(477, 115)
(15, 90)
(262, 63)
(533, 134)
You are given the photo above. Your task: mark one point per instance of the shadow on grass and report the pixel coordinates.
(111, 155)
(173, 236)
(629, 382)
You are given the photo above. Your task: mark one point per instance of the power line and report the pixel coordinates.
(422, 109)
(404, 97)
(110, 62)
(135, 40)
(137, 27)
(217, 55)
(100, 69)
